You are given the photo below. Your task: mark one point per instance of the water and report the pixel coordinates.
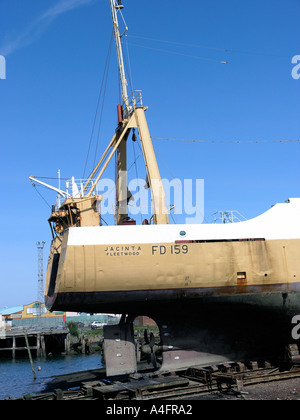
(16, 377)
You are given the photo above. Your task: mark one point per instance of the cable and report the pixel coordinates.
(105, 73)
(102, 108)
(178, 53)
(128, 66)
(41, 196)
(226, 141)
(185, 194)
(227, 50)
(178, 43)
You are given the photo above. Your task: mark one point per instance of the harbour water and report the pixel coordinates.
(16, 377)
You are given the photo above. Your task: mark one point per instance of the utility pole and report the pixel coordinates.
(40, 248)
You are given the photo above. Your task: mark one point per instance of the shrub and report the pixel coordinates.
(73, 328)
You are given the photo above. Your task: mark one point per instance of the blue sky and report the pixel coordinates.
(55, 55)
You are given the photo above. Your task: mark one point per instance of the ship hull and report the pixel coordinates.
(217, 293)
(146, 302)
(115, 269)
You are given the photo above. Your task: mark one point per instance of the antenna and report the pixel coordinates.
(58, 195)
(40, 248)
(116, 7)
(228, 216)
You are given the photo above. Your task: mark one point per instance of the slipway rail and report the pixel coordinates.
(194, 382)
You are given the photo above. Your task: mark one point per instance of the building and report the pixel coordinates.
(2, 327)
(144, 321)
(11, 313)
(33, 311)
(32, 315)
(24, 316)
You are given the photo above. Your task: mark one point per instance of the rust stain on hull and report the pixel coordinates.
(194, 270)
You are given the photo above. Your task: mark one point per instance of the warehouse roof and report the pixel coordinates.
(9, 311)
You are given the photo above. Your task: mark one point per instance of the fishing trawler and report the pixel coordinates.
(218, 292)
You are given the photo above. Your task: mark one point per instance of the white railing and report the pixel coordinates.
(75, 187)
(135, 100)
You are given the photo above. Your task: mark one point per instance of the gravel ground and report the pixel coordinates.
(281, 390)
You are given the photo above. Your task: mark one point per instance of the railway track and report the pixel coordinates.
(192, 383)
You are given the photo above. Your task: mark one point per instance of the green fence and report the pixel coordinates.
(59, 321)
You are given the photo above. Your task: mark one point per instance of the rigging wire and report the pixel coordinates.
(226, 141)
(134, 162)
(185, 194)
(128, 65)
(43, 198)
(176, 179)
(101, 115)
(104, 77)
(179, 43)
(227, 50)
(179, 53)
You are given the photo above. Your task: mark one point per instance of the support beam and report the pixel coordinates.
(29, 354)
(14, 348)
(159, 207)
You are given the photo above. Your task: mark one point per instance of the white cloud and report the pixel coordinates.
(39, 25)
(62, 7)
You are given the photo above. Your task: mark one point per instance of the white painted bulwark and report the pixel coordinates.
(280, 222)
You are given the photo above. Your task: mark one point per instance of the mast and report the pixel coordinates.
(132, 116)
(116, 7)
(121, 153)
